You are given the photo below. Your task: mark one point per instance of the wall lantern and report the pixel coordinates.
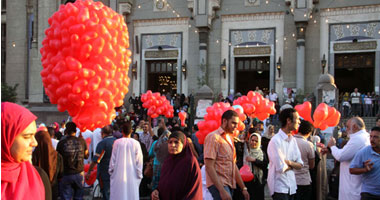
(323, 63)
(223, 68)
(184, 69)
(278, 66)
(134, 70)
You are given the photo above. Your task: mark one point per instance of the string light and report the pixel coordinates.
(304, 15)
(365, 30)
(285, 38)
(13, 44)
(267, 2)
(293, 35)
(139, 6)
(327, 20)
(311, 16)
(315, 21)
(217, 41)
(196, 31)
(229, 44)
(348, 26)
(189, 25)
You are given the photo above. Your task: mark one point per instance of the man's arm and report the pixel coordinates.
(211, 171)
(277, 156)
(346, 153)
(150, 126)
(367, 168)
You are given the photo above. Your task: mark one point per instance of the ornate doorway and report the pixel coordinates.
(252, 72)
(162, 76)
(355, 70)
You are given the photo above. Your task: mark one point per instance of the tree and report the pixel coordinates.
(8, 93)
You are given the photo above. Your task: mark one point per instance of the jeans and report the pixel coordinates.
(71, 187)
(282, 196)
(368, 196)
(215, 192)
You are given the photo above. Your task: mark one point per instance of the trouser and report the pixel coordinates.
(303, 192)
(105, 187)
(215, 192)
(282, 196)
(368, 196)
(356, 107)
(71, 187)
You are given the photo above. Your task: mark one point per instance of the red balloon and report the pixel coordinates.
(85, 60)
(304, 110)
(246, 174)
(333, 119)
(92, 178)
(182, 116)
(320, 114)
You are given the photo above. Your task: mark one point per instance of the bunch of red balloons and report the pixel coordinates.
(85, 62)
(157, 105)
(324, 116)
(255, 105)
(213, 119)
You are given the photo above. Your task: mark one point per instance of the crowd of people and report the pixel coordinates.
(366, 104)
(137, 156)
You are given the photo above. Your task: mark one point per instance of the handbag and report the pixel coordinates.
(148, 171)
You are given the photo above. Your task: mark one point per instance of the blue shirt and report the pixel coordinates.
(371, 179)
(103, 156)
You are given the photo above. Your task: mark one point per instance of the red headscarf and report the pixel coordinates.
(18, 180)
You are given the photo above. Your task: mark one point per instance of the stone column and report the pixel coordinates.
(301, 29)
(203, 40)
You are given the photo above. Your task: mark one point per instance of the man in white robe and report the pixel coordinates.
(350, 185)
(126, 166)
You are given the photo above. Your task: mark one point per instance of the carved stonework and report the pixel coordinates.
(338, 31)
(251, 2)
(125, 8)
(161, 22)
(190, 5)
(370, 45)
(252, 36)
(354, 10)
(371, 29)
(161, 54)
(253, 17)
(354, 29)
(252, 51)
(238, 37)
(149, 41)
(266, 36)
(159, 5)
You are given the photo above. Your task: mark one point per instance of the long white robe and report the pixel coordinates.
(126, 169)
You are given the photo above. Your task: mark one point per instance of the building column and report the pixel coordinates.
(203, 40)
(301, 29)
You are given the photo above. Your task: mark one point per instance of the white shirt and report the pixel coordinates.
(350, 185)
(54, 142)
(273, 97)
(282, 148)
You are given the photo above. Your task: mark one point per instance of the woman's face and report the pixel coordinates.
(22, 147)
(175, 146)
(271, 130)
(254, 142)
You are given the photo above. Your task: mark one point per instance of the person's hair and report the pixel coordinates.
(251, 130)
(359, 122)
(378, 118)
(127, 128)
(260, 122)
(51, 131)
(138, 136)
(176, 128)
(196, 127)
(305, 127)
(376, 128)
(107, 130)
(229, 114)
(115, 127)
(71, 127)
(160, 131)
(285, 114)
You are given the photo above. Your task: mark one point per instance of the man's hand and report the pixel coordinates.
(368, 165)
(245, 194)
(87, 176)
(155, 195)
(250, 159)
(332, 142)
(224, 195)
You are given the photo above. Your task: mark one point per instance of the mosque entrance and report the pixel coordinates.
(162, 76)
(355, 70)
(252, 72)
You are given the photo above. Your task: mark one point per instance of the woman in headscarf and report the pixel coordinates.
(180, 174)
(258, 162)
(268, 134)
(46, 157)
(19, 179)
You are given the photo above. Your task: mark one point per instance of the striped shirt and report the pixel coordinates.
(216, 147)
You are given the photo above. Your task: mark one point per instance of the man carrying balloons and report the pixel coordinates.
(222, 173)
(284, 157)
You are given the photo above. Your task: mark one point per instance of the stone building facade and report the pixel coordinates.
(230, 45)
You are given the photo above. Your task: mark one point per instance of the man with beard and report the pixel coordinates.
(350, 185)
